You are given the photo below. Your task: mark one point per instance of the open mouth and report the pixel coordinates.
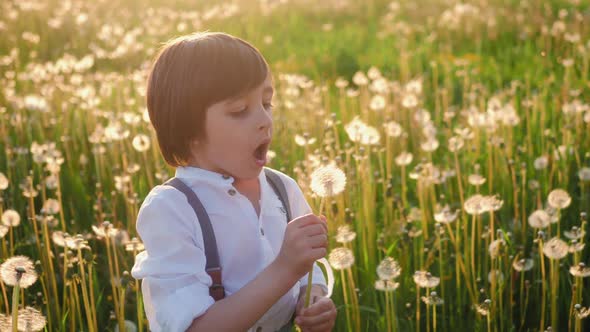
(260, 153)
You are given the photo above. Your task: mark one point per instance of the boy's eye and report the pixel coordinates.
(241, 112)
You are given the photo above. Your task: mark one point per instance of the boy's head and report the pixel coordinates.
(208, 98)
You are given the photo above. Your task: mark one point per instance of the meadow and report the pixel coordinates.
(463, 129)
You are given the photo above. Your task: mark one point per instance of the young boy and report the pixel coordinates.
(209, 100)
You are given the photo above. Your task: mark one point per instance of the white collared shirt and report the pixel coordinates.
(175, 285)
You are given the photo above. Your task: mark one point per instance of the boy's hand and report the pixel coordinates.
(305, 241)
(320, 316)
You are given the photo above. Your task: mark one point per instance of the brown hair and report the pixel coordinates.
(191, 73)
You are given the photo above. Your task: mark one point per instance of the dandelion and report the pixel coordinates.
(580, 270)
(483, 308)
(497, 274)
(559, 199)
(129, 326)
(476, 180)
(51, 206)
(388, 269)
(432, 299)
(523, 264)
(495, 247)
(18, 270)
(393, 129)
(3, 181)
(539, 219)
(328, 181)
(581, 312)
(77, 242)
(134, 245)
(424, 279)
(386, 285)
(409, 101)
(360, 132)
(404, 159)
(475, 205)
(341, 258)
(541, 163)
(59, 238)
(455, 143)
(11, 218)
(555, 248)
(345, 234)
(31, 320)
(493, 203)
(584, 172)
(303, 140)
(575, 233)
(445, 215)
(576, 246)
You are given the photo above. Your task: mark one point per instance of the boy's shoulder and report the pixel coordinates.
(287, 180)
(161, 195)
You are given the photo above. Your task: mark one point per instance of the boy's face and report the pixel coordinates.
(238, 132)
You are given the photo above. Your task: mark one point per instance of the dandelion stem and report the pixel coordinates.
(14, 312)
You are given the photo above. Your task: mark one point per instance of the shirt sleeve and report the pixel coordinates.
(300, 207)
(175, 284)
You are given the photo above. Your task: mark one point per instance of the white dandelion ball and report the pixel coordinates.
(15, 266)
(328, 181)
(341, 258)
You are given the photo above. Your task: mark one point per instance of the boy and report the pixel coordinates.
(209, 100)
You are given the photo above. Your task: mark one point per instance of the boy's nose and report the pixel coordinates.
(265, 120)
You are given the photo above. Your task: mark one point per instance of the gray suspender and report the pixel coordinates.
(212, 266)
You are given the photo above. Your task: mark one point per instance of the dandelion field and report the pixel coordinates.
(463, 129)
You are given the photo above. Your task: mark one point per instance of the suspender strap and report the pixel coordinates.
(212, 267)
(279, 187)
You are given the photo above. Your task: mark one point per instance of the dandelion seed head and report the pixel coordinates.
(11, 218)
(523, 264)
(584, 172)
(388, 269)
(3, 181)
(476, 180)
(424, 279)
(580, 270)
(539, 219)
(574, 233)
(404, 159)
(10, 276)
(30, 320)
(345, 234)
(51, 206)
(559, 199)
(445, 215)
(341, 258)
(393, 129)
(555, 248)
(328, 181)
(386, 285)
(475, 205)
(134, 245)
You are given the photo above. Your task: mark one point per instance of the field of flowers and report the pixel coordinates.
(463, 129)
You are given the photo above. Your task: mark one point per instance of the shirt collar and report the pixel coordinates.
(192, 175)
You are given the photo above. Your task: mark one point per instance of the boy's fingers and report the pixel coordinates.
(315, 320)
(318, 307)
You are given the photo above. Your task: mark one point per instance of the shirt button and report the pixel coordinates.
(259, 329)
(261, 231)
(225, 176)
(231, 192)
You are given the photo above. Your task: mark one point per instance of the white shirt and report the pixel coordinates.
(175, 285)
